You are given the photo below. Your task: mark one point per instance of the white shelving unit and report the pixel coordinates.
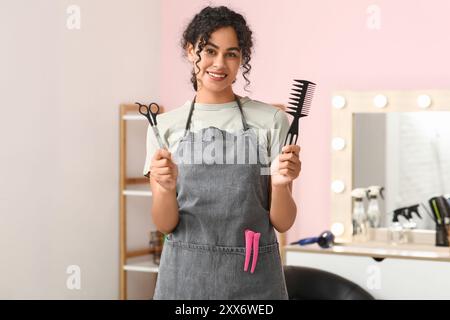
(138, 260)
(146, 265)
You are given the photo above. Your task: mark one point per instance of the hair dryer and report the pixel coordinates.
(324, 240)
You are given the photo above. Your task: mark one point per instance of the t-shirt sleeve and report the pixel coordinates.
(151, 147)
(279, 133)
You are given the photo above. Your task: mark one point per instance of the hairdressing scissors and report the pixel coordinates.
(147, 112)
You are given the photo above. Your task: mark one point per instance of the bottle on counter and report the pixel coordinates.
(373, 210)
(396, 232)
(359, 217)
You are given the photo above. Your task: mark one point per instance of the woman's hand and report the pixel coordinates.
(164, 170)
(287, 166)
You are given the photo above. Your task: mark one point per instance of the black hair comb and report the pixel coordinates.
(303, 92)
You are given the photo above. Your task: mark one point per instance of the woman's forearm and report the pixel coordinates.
(283, 209)
(164, 208)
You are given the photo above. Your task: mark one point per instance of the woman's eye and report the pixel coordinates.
(232, 54)
(209, 51)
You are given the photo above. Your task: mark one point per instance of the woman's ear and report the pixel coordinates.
(190, 52)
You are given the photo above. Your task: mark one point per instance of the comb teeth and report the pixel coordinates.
(302, 82)
(301, 98)
(300, 101)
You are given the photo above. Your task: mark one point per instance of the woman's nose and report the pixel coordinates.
(219, 61)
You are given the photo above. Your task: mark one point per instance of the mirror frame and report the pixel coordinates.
(345, 104)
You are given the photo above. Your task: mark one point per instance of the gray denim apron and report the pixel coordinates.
(204, 257)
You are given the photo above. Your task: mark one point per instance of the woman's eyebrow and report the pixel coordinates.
(217, 47)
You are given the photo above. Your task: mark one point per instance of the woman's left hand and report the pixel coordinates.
(287, 166)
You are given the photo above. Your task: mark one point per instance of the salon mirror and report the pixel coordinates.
(406, 152)
(396, 139)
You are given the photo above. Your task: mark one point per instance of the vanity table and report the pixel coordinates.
(386, 272)
(398, 140)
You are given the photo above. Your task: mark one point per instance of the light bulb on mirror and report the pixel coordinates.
(338, 144)
(380, 101)
(338, 102)
(338, 186)
(337, 229)
(424, 101)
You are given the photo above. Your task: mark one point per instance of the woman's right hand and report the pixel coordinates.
(164, 170)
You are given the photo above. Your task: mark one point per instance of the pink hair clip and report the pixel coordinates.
(251, 240)
(248, 247)
(256, 237)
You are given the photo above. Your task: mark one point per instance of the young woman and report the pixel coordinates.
(217, 207)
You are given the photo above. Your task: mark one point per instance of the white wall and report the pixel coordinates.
(59, 165)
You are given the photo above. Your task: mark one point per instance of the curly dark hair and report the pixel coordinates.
(208, 20)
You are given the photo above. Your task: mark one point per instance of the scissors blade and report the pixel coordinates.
(162, 145)
(153, 116)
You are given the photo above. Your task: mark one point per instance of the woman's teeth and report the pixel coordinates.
(215, 75)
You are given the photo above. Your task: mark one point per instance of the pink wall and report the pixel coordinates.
(337, 51)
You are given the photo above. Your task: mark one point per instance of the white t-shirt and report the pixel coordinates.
(225, 116)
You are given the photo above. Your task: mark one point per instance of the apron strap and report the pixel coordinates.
(244, 121)
(188, 121)
(191, 111)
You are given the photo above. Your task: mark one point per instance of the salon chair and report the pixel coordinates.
(305, 283)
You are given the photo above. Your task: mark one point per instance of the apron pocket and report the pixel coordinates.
(266, 283)
(184, 274)
(195, 271)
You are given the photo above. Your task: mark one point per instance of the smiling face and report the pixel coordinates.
(219, 63)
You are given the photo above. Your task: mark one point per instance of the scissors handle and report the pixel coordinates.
(153, 114)
(143, 109)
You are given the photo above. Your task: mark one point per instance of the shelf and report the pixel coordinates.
(146, 265)
(140, 190)
(139, 193)
(133, 117)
